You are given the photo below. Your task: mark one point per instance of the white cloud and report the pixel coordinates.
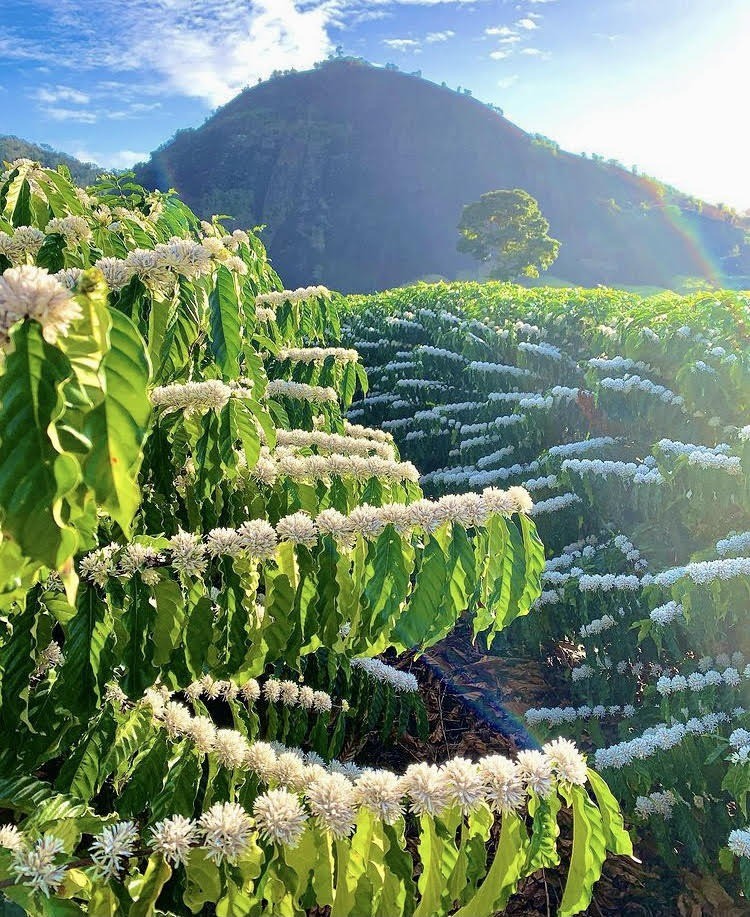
(527, 24)
(115, 159)
(205, 49)
(433, 37)
(507, 81)
(81, 115)
(403, 44)
(51, 95)
(134, 110)
(503, 31)
(536, 52)
(499, 55)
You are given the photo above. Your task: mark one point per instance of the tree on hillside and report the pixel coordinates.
(507, 228)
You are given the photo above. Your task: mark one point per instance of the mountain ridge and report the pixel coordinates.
(12, 148)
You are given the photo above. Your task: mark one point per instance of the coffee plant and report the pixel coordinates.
(201, 559)
(626, 418)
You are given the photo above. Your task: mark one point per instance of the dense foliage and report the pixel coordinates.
(200, 559)
(360, 174)
(626, 418)
(507, 230)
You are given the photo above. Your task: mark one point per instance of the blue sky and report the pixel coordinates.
(655, 83)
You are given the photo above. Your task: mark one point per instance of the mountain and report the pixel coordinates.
(12, 148)
(360, 174)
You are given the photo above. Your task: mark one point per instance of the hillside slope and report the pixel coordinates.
(360, 174)
(12, 148)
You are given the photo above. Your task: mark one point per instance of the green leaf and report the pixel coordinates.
(203, 881)
(617, 838)
(544, 832)
(428, 598)
(52, 253)
(387, 589)
(18, 661)
(117, 427)
(587, 858)
(22, 215)
(399, 892)
(146, 890)
(169, 621)
(438, 854)
(224, 319)
(505, 872)
(360, 871)
(237, 424)
(30, 494)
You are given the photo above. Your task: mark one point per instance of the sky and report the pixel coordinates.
(657, 84)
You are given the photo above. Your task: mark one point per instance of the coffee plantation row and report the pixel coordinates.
(626, 419)
(201, 559)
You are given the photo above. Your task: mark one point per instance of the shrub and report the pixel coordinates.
(199, 554)
(625, 418)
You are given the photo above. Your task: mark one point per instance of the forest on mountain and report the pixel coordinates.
(12, 148)
(360, 173)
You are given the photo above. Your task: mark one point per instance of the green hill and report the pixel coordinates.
(360, 174)
(11, 148)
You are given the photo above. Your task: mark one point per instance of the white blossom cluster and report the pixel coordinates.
(432, 384)
(378, 436)
(661, 737)
(703, 459)
(427, 350)
(264, 314)
(606, 582)
(31, 292)
(402, 682)
(739, 842)
(555, 504)
(395, 366)
(638, 473)
(702, 572)
(545, 482)
(194, 397)
(480, 366)
(618, 364)
(733, 544)
(585, 445)
(277, 298)
(497, 456)
(630, 383)
(490, 426)
(658, 803)
(544, 350)
(315, 394)
(160, 266)
(351, 443)
(50, 657)
(258, 538)
(330, 791)
(382, 343)
(557, 716)
(666, 614)
(286, 692)
(285, 463)
(318, 354)
(74, 229)
(25, 241)
(700, 681)
(674, 447)
(472, 478)
(597, 626)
